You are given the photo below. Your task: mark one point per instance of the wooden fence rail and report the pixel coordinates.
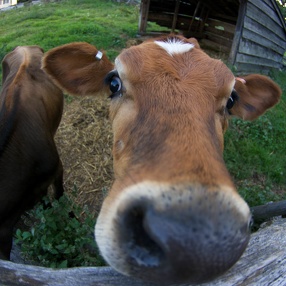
(263, 264)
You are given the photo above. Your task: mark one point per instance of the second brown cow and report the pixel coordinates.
(30, 112)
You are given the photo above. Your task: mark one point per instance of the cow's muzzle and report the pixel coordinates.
(174, 234)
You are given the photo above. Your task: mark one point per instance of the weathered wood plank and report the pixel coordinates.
(249, 48)
(250, 59)
(219, 32)
(238, 32)
(227, 27)
(246, 68)
(224, 17)
(214, 46)
(269, 11)
(263, 263)
(20, 274)
(261, 40)
(175, 16)
(258, 16)
(259, 29)
(226, 43)
(166, 20)
(279, 13)
(144, 15)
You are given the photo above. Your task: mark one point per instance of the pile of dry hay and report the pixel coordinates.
(84, 142)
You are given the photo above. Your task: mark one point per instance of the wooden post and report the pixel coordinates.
(175, 15)
(238, 32)
(194, 16)
(268, 211)
(144, 10)
(204, 17)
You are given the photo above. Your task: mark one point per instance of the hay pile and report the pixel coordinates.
(84, 142)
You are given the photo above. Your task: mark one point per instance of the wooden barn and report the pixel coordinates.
(251, 33)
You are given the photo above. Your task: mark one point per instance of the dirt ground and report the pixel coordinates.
(84, 142)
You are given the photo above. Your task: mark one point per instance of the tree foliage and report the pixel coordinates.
(282, 6)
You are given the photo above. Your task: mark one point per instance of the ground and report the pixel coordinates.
(84, 142)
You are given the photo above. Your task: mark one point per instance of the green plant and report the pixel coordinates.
(255, 152)
(98, 22)
(257, 193)
(58, 237)
(260, 130)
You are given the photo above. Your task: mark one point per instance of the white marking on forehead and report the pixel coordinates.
(175, 46)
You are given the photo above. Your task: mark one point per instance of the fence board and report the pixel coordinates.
(263, 263)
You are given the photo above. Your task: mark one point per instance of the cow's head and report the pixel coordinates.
(173, 214)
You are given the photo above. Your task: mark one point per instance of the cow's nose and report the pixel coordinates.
(185, 235)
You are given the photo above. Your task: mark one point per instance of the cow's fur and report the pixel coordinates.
(30, 112)
(173, 214)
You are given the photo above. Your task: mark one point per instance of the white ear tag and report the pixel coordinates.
(99, 55)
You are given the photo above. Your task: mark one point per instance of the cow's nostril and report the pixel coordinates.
(139, 244)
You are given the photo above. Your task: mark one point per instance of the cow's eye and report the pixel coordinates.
(232, 99)
(230, 103)
(115, 84)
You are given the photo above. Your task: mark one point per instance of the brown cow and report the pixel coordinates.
(30, 112)
(173, 214)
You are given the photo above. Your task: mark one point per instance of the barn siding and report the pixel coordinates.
(251, 33)
(263, 39)
(218, 35)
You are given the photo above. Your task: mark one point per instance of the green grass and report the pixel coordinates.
(255, 152)
(106, 24)
(61, 235)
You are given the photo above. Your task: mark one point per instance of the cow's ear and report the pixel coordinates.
(78, 68)
(195, 42)
(256, 94)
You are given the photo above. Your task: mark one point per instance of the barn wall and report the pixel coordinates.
(218, 35)
(187, 16)
(262, 42)
(252, 34)
(193, 19)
